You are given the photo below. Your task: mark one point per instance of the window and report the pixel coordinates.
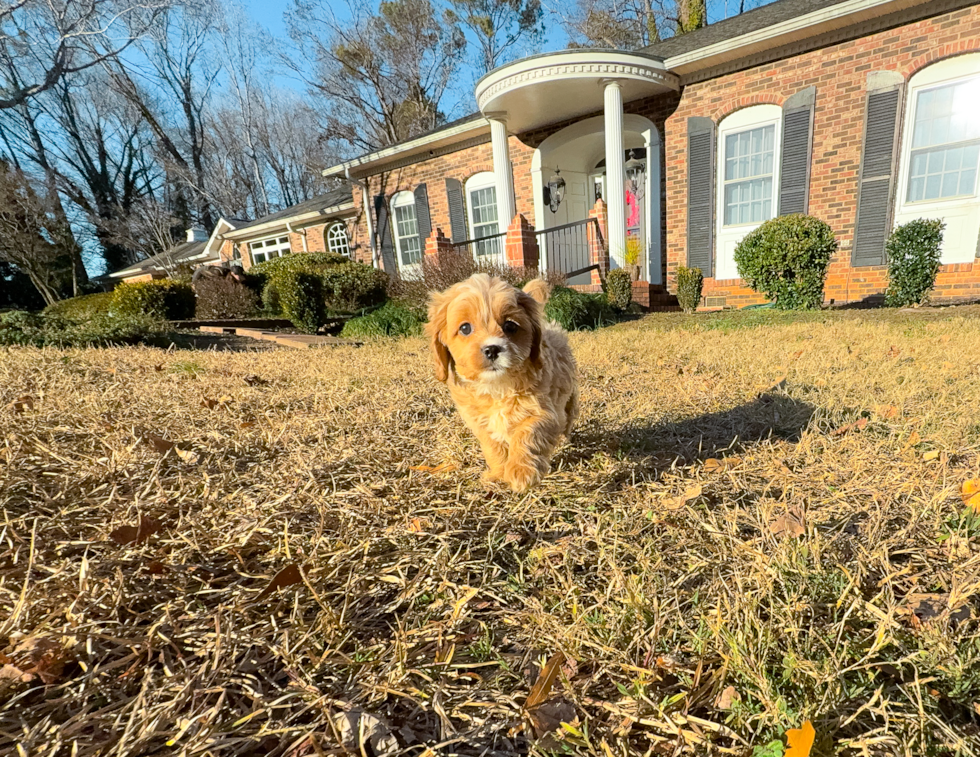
(945, 142)
(749, 160)
(481, 201)
(268, 249)
(337, 239)
(406, 227)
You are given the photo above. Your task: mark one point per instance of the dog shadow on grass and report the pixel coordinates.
(773, 415)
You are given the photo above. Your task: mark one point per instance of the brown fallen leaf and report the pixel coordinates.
(363, 733)
(188, 456)
(158, 443)
(725, 699)
(288, 576)
(156, 568)
(418, 525)
(913, 440)
(790, 523)
(547, 717)
(893, 352)
(692, 492)
(797, 355)
(930, 455)
(542, 687)
(253, 380)
(246, 424)
(923, 608)
(209, 402)
(887, 411)
(859, 425)
(34, 657)
(135, 534)
(22, 404)
(799, 741)
(716, 465)
(158, 367)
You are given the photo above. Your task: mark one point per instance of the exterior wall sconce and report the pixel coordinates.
(635, 171)
(554, 191)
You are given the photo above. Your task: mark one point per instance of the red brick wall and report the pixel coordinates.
(839, 73)
(315, 241)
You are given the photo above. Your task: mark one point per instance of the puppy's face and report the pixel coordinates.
(485, 330)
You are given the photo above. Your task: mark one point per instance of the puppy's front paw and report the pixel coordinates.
(493, 475)
(522, 475)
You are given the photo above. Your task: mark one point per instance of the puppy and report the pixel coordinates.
(511, 374)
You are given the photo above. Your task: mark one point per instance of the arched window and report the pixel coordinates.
(748, 178)
(337, 239)
(406, 227)
(481, 205)
(940, 157)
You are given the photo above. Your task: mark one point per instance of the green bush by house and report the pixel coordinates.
(690, 283)
(353, 287)
(913, 250)
(573, 310)
(301, 297)
(786, 259)
(47, 330)
(162, 298)
(81, 308)
(619, 288)
(224, 298)
(391, 319)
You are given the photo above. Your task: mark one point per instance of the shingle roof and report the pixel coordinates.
(157, 262)
(744, 23)
(322, 202)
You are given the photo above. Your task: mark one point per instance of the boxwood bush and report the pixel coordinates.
(573, 310)
(162, 298)
(913, 251)
(786, 259)
(301, 297)
(690, 284)
(619, 288)
(81, 308)
(391, 319)
(353, 287)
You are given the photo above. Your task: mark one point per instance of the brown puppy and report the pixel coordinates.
(511, 374)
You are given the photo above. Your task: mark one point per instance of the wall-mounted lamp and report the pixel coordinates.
(554, 192)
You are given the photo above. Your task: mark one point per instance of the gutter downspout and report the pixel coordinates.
(365, 191)
(302, 233)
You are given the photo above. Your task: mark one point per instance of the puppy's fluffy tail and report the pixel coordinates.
(539, 289)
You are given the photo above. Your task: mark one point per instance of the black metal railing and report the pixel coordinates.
(489, 249)
(567, 248)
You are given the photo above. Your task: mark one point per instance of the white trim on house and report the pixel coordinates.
(742, 122)
(401, 201)
(492, 249)
(332, 240)
(281, 224)
(280, 248)
(961, 213)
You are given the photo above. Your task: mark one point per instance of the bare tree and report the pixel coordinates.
(383, 74)
(499, 27)
(629, 24)
(153, 228)
(42, 41)
(33, 234)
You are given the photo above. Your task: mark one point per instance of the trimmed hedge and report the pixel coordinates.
(786, 259)
(573, 310)
(690, 283)
(81, 308)
(392, 319)
(353, 287)
(301, 296)
(914, 252)
(46, 330)
(162, 298)
(619, 288)
(224, 298)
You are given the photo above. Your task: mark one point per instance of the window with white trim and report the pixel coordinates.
(337, 240)
(481, 205)
(945, 150)
(406, 228)
(267, 249)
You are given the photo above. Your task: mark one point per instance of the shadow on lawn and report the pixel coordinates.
(772, 415)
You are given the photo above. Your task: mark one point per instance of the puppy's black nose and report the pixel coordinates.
(491, 351)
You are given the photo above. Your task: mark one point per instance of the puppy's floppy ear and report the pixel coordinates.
(534, 312)
(435, 328)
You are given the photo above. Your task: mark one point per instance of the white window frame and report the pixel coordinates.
(337, 243)
(961, 213)
(728, 237)
(404, 199)
(270, 247)
(494, 249)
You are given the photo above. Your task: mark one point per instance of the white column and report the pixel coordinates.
(615, 170)
(506, 207)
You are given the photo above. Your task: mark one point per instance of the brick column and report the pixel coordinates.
(522, 244)
(599, 243)
(437, 247)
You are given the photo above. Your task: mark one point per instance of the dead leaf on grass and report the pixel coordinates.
(468, 593)
(188, 456)
(924, 608)
(34, 657)
(893, 352)
(548, 716)
(859, 425)
(419, 525)
(790, 523)
(715, 465)
(797, 355)
(253, 380)
(288, 576)
(361, 733)
(156, 568)
(209, 402)
(542, 687)
(692, 492)
(158, 367)
(158, 443)
(135, 534)
(930, 455)
(725, 699)
(887, 411)
(799, 741)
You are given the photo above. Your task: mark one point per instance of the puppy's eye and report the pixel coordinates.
(466, 329)
(510, 327)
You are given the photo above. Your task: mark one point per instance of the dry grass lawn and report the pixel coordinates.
(758, 522)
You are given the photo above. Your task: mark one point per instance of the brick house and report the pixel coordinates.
(864, 113)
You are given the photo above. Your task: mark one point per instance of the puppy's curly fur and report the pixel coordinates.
(510, 373)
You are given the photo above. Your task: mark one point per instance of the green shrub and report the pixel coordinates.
(913, 251)
(162, 298)
(787, 259)
(573, 310)
(690, 282)
(299, 261)
(301, 296)
(353, 287)
(224, 298)
(47, 330)
(81, 308)
(619, 288)
(391, 319)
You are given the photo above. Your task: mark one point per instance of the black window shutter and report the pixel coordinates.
(794, 172)
(700, 194)
(457, 210)
(384, 235)
(422, 214)
(876, 188)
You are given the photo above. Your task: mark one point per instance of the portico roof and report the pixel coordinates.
(546, 89)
